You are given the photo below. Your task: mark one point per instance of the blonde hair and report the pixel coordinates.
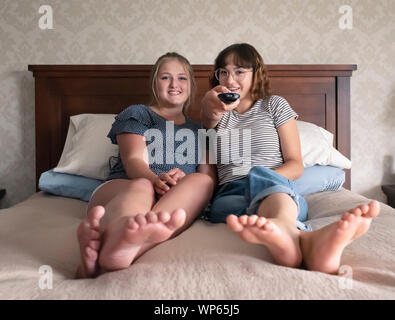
(188, 69)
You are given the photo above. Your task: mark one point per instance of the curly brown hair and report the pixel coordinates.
(246, 56)
(188, 69)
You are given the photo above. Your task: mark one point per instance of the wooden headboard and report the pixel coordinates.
(318, 93)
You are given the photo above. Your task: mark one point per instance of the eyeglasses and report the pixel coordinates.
(222, 74)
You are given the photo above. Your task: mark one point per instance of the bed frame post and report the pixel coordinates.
(344, 122)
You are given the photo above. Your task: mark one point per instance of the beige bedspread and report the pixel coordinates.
(205, 262)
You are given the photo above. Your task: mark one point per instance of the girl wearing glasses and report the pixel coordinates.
(256, 195)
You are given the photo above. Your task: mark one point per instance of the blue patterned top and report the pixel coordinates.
(169, 145)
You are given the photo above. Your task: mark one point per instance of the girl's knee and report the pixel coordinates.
(201, 178)
(141, 184)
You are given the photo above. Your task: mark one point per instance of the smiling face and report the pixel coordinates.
(248, 58)
(172, 84)
(239, 79)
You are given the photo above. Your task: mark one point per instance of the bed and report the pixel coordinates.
(38, 245)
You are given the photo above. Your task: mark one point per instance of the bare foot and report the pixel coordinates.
(124, 239)
(89, 239)
(281, 240)
(322, 249)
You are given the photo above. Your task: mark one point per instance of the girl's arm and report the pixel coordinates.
(134, 155)
(290, 147)
(209, 169)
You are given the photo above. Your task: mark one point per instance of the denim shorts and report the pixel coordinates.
(244, 196)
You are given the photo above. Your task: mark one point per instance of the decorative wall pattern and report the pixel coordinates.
(138, 31)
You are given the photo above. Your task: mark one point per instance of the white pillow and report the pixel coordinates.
(87, 149)
(317, 147)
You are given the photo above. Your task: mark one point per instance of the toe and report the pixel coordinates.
(82, 228)
(233, 222)
(243, 219)
(151, 217)
(89, 235)
(269, 226)
(85, 226)
(132, 224)
(374, 209)
(343, 224)
(350, 218)
(356, 212)
(260, 222)
(140, 219)
(94, 244)
(96, 213)
(345, 216)
(177, 219)
(90, 253)
(252, 220)
(364, 208)
(163, 216)
(92, 235)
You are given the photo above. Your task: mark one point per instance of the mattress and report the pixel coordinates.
(39, 256)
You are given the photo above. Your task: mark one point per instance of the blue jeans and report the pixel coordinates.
(244, 196)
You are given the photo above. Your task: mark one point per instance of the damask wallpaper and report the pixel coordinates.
(138, 31)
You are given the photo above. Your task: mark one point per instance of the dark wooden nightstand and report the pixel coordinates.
(390, 193)
(2, 193)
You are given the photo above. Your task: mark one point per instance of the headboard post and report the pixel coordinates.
(344, 122)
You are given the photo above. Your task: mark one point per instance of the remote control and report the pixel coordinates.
(228, 97)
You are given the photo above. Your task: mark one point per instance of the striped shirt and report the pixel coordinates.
(251, 139)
